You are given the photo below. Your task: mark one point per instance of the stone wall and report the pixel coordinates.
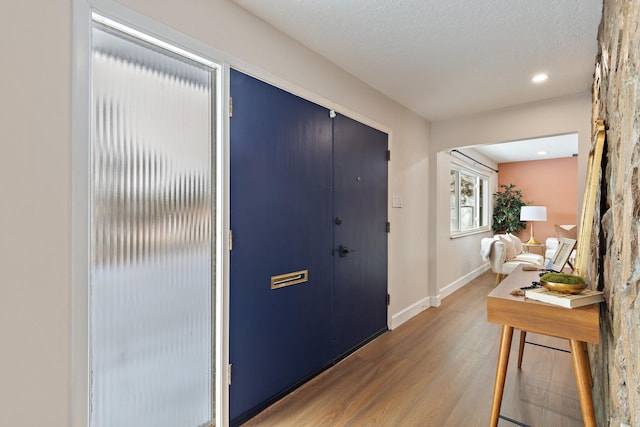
(614, 260)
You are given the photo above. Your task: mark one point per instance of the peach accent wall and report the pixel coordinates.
(552, 183)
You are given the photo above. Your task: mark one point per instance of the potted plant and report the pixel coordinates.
(506, 210)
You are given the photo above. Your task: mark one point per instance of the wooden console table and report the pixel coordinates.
(578, 325)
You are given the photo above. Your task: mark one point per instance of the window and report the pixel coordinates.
(469, 201)
(152, 213)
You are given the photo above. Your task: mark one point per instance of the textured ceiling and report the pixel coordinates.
(449, 58)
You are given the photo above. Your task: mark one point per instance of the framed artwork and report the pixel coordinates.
(563, 253)
(589, 199)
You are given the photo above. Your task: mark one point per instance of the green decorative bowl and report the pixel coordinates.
(566, 288)
(563, 282)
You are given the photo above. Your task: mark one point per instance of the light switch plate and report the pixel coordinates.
(397, 201)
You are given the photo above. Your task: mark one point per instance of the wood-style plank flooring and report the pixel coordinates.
(437, 369)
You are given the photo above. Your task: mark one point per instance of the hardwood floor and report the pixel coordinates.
(437, 369)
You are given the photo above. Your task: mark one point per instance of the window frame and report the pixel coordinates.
(483, 200)
(83, 11)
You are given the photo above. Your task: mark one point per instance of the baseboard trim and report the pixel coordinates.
(411, 311)
(454, 286)
(435, 301)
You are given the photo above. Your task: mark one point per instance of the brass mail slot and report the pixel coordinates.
(289, 279)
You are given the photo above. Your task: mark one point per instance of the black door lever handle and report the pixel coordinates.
(344, 251)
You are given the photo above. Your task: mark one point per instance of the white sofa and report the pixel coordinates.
(505, 252)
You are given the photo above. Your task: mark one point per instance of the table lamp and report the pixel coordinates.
(533, 213)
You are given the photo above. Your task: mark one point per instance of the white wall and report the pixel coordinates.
(36, 177)
(35, 218)
(553, 117)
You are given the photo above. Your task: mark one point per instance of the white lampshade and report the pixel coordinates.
(533, 213)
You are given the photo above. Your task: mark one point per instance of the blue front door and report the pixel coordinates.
(360, 234)
(288, 157)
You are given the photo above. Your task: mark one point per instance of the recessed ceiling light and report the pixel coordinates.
(539, 78)
(541, 153)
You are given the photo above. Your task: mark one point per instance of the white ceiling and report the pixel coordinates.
(552, 147)
(449, 58)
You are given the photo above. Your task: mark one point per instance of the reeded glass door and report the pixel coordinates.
(152, 222)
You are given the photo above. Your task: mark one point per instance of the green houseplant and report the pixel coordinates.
(506, 210)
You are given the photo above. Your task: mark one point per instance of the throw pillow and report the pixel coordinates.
(517, 243)
(567, 231)
(509, 247)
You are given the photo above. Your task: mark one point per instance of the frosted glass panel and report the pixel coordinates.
(151, 237)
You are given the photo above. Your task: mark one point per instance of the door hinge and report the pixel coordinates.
(230, 240)
(388, 299)
(388, 227)
(229, 369)
(230, 107)
(388, 155)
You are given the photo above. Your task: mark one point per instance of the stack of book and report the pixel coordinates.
(581, 299)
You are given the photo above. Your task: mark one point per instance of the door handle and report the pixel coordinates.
(344, 251)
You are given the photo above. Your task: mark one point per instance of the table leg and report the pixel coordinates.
(501, 373)
(587, 365)
(580, 367)
(523, 338)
